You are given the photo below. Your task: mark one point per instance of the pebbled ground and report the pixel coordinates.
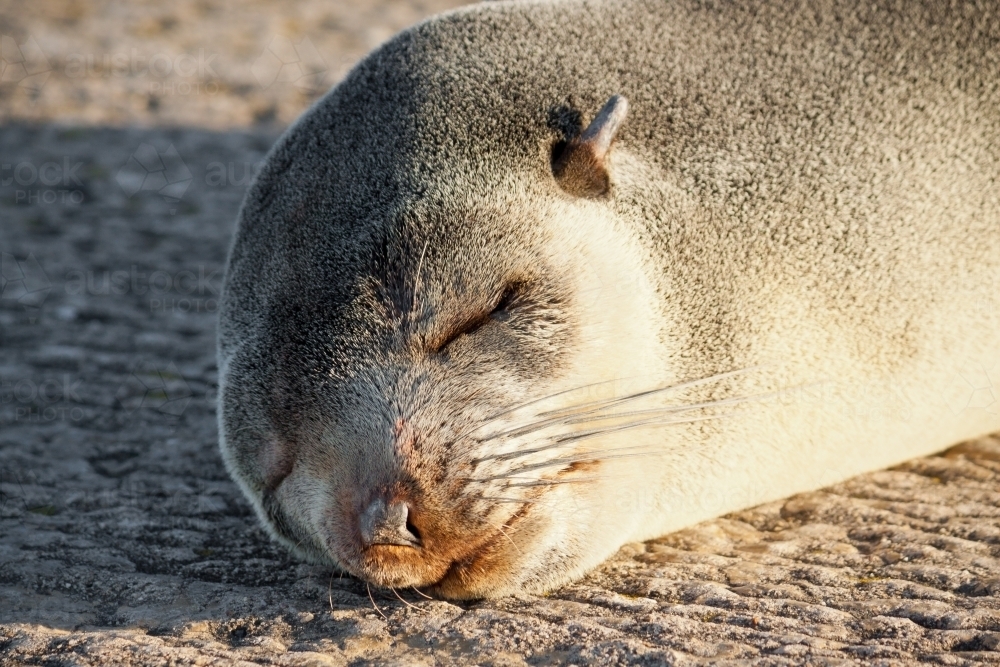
(123, 541)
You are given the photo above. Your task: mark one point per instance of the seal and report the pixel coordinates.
(538, 279)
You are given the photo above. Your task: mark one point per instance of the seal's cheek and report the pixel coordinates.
(498, 566)
(276, 460)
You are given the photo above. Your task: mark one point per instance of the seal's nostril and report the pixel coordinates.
(412, 529)
(383, 523)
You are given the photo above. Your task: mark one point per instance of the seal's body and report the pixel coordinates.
(467, 343)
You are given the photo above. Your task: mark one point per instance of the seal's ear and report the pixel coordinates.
(581, 167)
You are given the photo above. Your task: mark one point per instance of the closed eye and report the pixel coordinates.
(500, 312)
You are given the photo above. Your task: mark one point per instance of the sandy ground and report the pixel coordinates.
(122, 540)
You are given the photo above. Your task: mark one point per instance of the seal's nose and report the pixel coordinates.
(388, 523)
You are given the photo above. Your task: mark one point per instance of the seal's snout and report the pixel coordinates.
(398, 541)
(383, 523)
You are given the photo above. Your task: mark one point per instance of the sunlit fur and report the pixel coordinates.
(794, 278)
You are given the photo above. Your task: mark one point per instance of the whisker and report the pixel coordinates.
(590, 456)
(553, 482)
(492, 418)
(514, 544)
(372, 598)
(593, 406)
(576, 437)
(515, 408)
(420, 592)
(578, 411)
(666, 410)
(605, 403)
(563, 440)
(408, 604)
(584, 456)
(509, 500)
(416, 278)
(559, 462)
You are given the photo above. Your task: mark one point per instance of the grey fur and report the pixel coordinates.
(851, 147)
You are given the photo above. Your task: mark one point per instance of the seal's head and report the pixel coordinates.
(427, 305)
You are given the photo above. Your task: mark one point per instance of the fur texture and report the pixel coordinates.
(792, 279)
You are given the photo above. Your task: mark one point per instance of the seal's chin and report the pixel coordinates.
(392, 566)
(476, 578)
(460, 577)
